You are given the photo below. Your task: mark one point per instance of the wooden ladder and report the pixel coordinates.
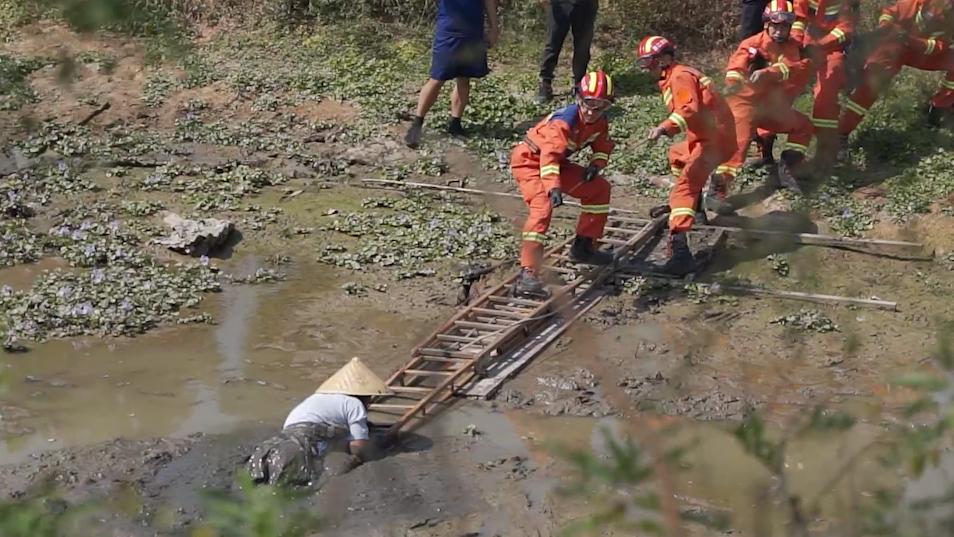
(468, 343)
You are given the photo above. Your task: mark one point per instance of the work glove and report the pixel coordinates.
(757, 75)
(654, 134)
(590, 173)
(556, 198)
(659, 210)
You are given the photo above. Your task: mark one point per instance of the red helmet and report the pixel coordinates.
(779, 12)
(654, 46)
(596, 85)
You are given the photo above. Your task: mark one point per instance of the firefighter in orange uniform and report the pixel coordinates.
(764, 76)
(914, 33)
(698, 110)
(824, 28)
(543, 170)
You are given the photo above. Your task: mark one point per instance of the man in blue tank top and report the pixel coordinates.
(459, 53)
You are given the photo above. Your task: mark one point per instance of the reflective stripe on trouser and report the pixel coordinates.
(594, 197)
(830, 79)
(882, 66)
(698, 160)
(772, 120)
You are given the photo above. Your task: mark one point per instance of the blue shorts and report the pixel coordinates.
(458, 57)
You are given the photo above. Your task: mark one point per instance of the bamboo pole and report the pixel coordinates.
(813, 239)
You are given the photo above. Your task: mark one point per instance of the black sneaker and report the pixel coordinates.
(413, 137)
(584, 251)
(716, 197)
(454, 128)
(787, 166)
(545, 93)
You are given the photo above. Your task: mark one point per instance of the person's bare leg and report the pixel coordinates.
(427, 98)
(459, 99)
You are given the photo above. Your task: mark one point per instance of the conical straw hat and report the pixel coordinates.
(354, 379)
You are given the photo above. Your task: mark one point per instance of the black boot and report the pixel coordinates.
(413, 137)
(545, 93)
(935, 116)
(844, 153)
(583, 251)
(765, 147)
(715, 198)
(681, 261)
(454, 128)
(528, 285)
(790, 161)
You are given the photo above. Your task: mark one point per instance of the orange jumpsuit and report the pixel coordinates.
(767, 105)
(912, 38)
(824, 27)
(541, 162)
(697, 109)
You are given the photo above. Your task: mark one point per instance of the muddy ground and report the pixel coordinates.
(174, 411)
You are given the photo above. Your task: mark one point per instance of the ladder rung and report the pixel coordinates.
(442, 360)
(494, 320)
(500, 312)
(410, 389)
(483, 326)
(426, 373)
(524, 312)
(447, 353)
(608, 240)
(514, 300)
(459, 339)
(561, 270)
(387, 406)
(622, 230)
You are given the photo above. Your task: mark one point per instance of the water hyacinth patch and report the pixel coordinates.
(114, 300)
(808, 320)
(20, 245)
(418, 230)
(89, 239)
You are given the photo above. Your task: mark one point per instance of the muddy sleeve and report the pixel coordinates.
(357, 420)
(552, 139)
(736, 72)
(602, 147)
(686, 101)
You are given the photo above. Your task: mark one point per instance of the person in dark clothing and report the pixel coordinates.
(460, 54)
(565, 16)
(751, 22)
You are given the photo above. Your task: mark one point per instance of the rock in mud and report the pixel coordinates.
(196, 237)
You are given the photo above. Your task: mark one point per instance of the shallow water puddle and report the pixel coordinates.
(271, 346)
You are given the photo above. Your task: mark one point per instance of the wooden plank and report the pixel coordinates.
(386, 406)
(814, 297)
(561, 270)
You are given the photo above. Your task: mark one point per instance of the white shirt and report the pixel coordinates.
(338, 410)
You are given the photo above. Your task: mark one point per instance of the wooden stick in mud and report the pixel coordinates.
(95, 113)
(814, 239)
(813, 297)
(796, 295)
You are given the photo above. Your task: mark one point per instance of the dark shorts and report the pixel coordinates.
(458, 57)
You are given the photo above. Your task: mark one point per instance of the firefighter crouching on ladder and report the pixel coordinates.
(910, 32)
(699, 111)
(825, 28)
(764, 76)
(544, 173)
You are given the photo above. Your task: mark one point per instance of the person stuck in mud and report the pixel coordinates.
(337, 411)
(542, 168)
